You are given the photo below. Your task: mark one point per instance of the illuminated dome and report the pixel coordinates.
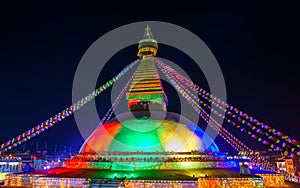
(129, 134)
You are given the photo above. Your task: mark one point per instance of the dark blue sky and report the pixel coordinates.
(255, 43)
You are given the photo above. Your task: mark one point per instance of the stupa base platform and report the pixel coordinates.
(206, 177)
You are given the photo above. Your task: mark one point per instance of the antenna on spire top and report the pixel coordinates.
(148, 34)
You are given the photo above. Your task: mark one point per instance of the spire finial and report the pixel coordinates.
(148, 45)
(148, 34)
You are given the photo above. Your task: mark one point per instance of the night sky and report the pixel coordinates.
(255, 43)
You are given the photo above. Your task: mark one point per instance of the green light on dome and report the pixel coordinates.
(134, 135)
(146, 135)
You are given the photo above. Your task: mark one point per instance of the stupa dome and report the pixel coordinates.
(148, 134)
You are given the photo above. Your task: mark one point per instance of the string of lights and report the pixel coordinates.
(229, 109)
(109, 113)
(233, 141)
(38, 129)
(242, 129)
(235, 117)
